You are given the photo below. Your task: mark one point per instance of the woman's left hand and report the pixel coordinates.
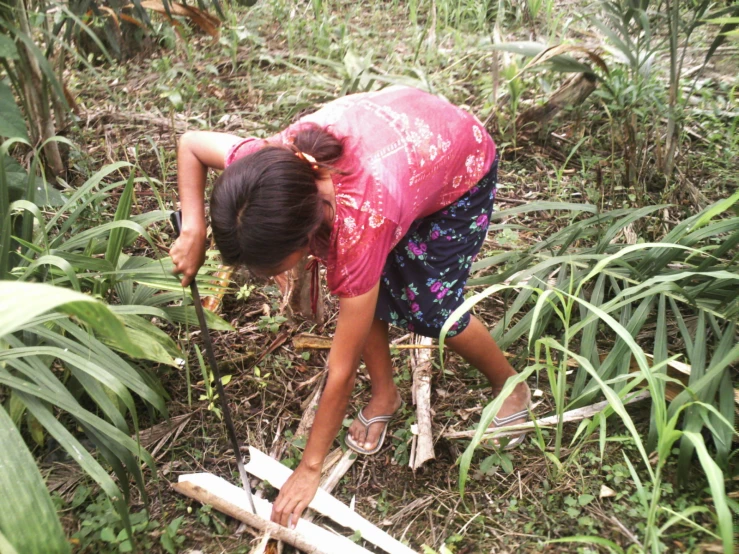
(295, 495)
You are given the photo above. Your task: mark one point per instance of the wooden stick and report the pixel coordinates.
(307, 341)
(276, 474)
(568, 417)
(229, 499)
(423, 446)
(329, 482)
(262, 546)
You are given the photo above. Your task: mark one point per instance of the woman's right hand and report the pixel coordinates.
(188, 255)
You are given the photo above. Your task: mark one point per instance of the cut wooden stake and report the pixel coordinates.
(423, 445)
(209, 489)
(568, 417)
(267, 469)
(329, 482)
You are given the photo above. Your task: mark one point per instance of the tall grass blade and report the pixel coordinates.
(716, 483)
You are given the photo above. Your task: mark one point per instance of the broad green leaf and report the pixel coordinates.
(76, 451)
(7, 48)
(39, 298)
(12, 124)
(28, 520)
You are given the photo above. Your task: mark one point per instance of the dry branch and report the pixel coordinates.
(423, 442)
(577, 414)
(573, 92)
(229, 499)
(264, 467)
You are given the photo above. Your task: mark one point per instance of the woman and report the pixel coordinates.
(393, 191)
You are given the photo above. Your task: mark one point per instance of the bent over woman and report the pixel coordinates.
(392, 191)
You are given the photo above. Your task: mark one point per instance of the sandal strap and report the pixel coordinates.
(499, 422)
(377, 419)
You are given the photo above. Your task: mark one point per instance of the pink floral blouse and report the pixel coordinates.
(407, 154)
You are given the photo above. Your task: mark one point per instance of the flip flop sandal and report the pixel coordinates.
(508, 420)
(386, 419)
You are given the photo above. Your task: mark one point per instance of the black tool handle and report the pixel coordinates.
(176, 220)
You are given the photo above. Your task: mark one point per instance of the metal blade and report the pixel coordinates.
(213, 363)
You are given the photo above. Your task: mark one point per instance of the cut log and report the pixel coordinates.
(267, 469)
(423, 445)
(231, 500)
(577, 414)
(573, 92)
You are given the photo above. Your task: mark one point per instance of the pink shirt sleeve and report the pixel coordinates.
(241, 149)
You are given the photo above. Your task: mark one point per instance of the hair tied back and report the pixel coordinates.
(308, 158)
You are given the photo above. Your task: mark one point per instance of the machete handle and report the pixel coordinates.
(176, 220)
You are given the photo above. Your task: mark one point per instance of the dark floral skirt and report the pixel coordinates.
(425, 274)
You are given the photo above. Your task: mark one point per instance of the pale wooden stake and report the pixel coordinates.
(423, 445)
(329, 482)
(231, 500)
(267, 469)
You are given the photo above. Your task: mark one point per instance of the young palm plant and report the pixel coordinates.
(80, 363)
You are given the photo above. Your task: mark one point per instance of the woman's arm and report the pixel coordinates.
(355, 318)
(197, 151)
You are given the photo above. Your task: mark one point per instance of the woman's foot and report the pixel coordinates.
(516, 404)
(379, 405)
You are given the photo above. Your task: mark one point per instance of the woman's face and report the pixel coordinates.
(286, 265)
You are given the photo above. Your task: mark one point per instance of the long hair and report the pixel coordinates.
(266, 206)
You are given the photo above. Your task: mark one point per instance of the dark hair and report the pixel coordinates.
(265, 206)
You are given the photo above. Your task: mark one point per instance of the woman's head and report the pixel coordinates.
(266, 206)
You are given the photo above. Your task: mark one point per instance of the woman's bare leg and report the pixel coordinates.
(479, 349)
(385, 397)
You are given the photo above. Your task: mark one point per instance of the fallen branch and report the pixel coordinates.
(267, 469)
(577, 414)
(229, 499)
(422, 448)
